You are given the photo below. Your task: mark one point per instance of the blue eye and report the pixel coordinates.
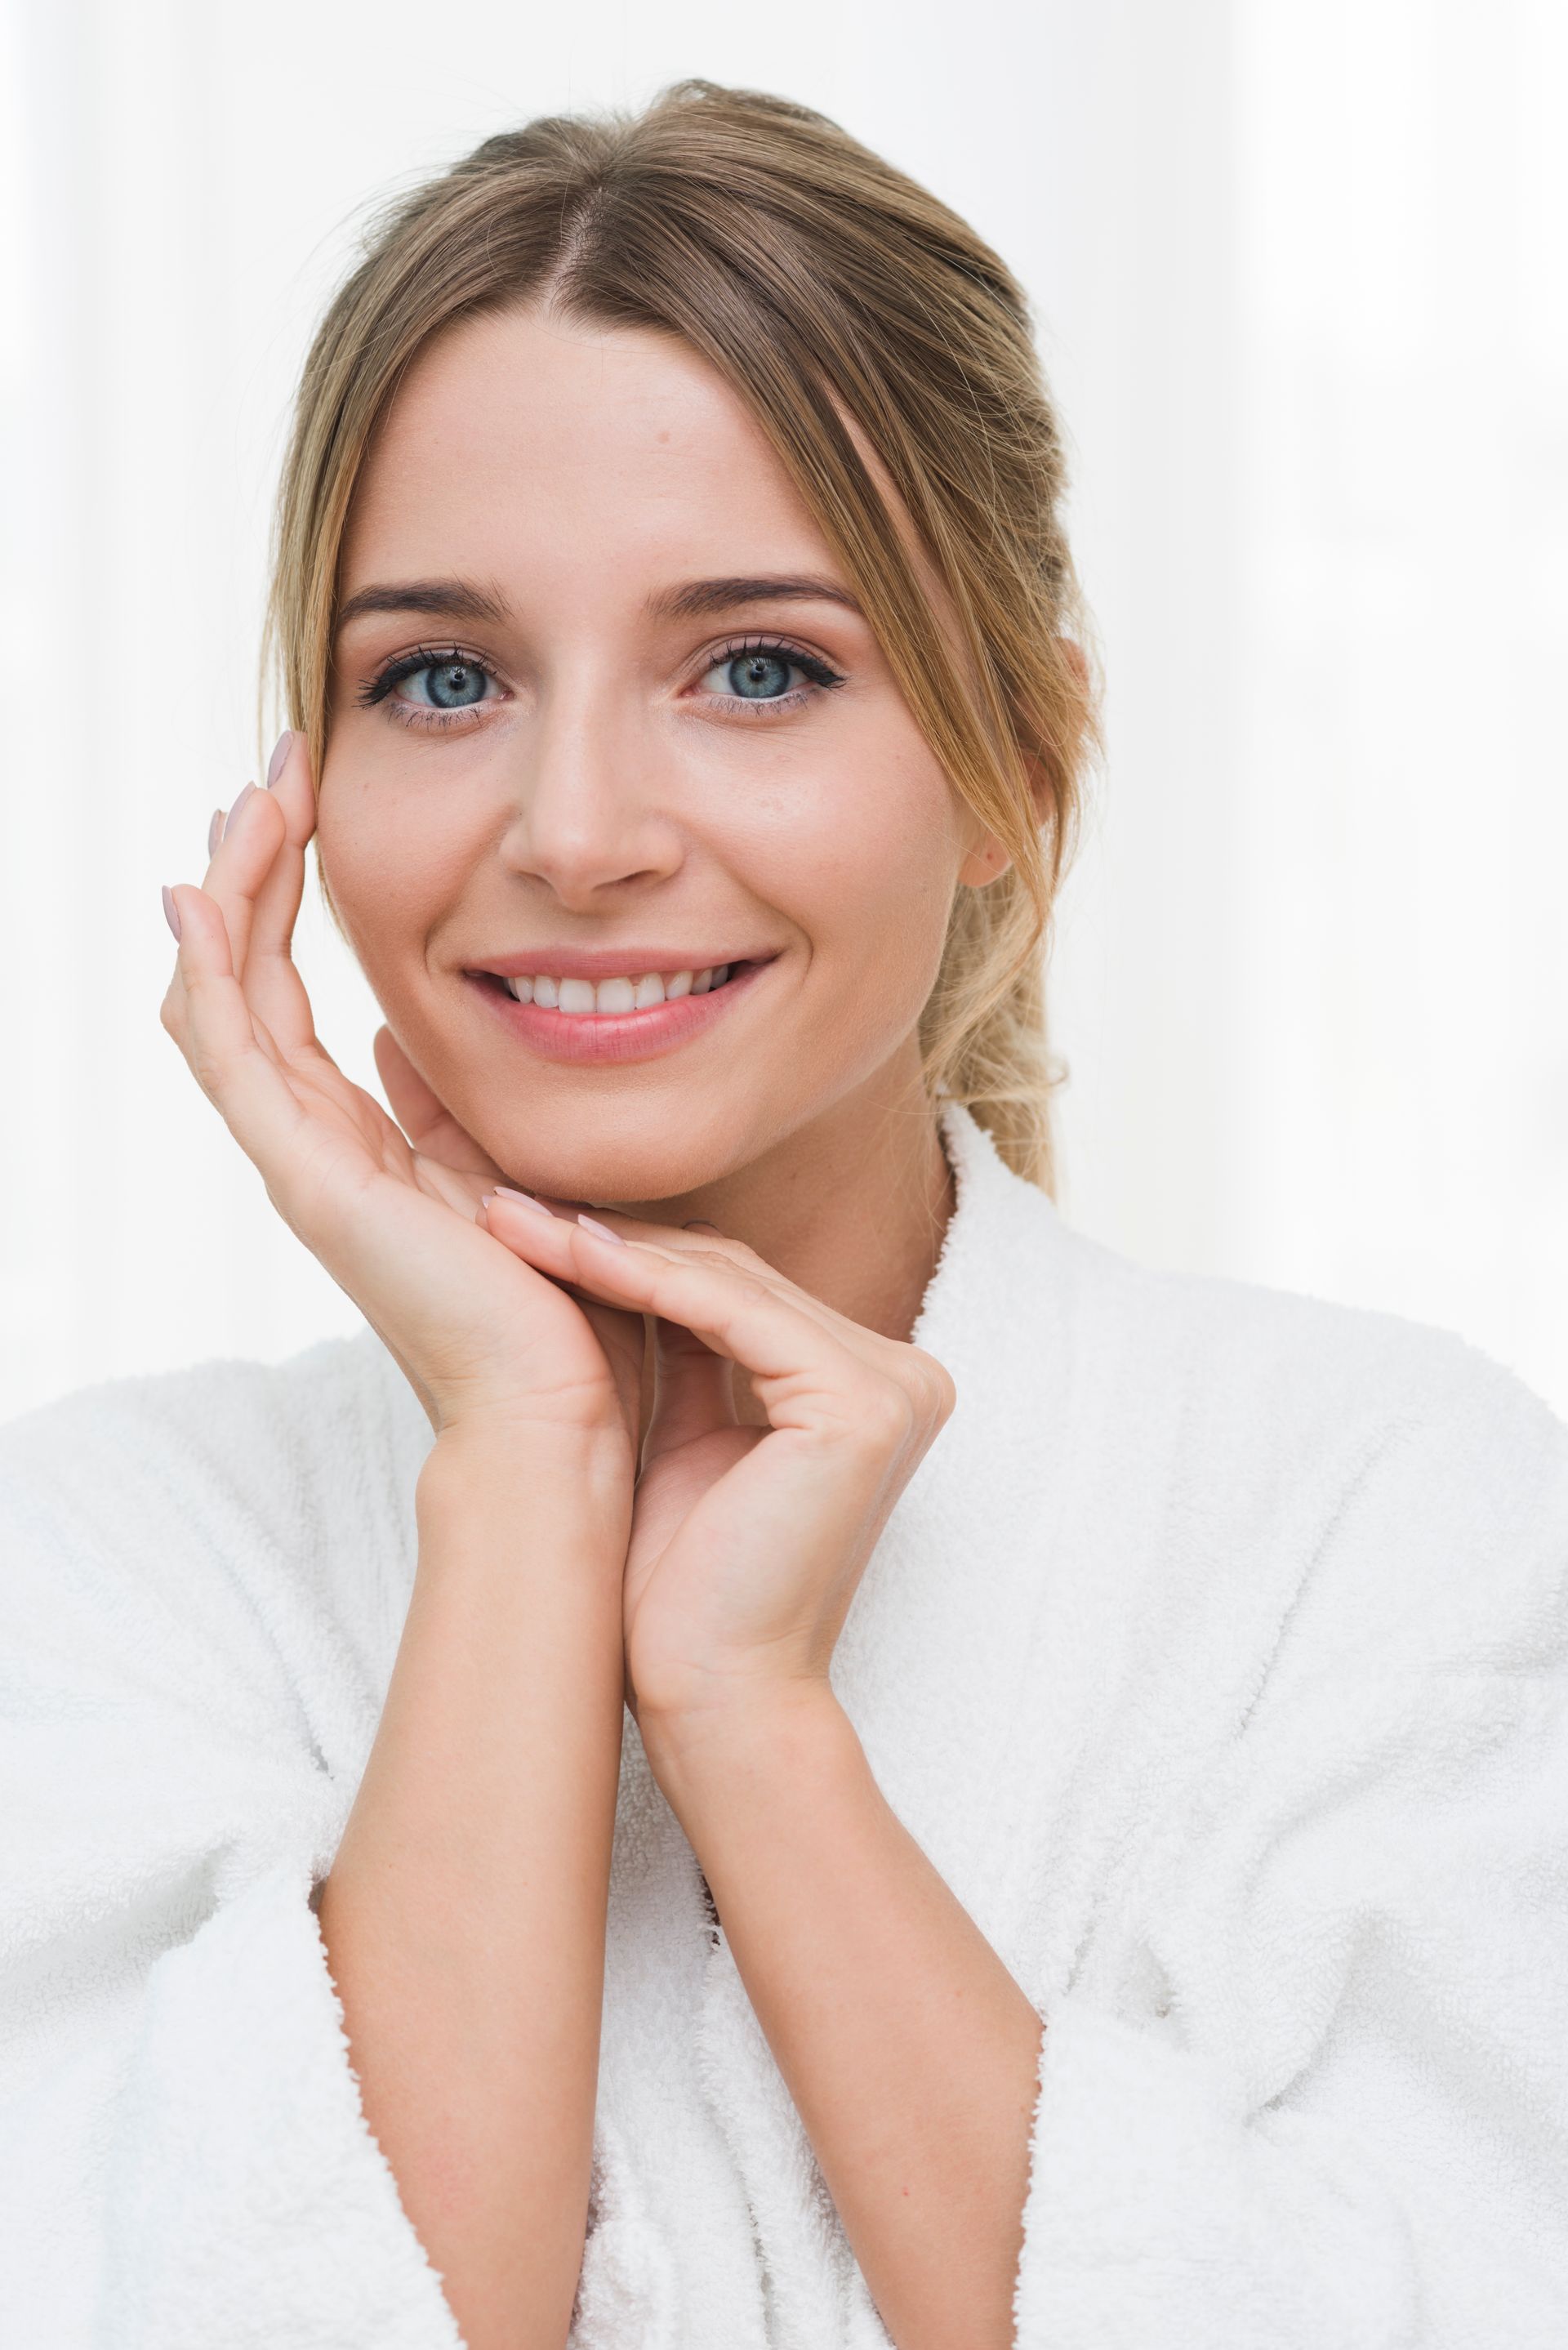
(758, 677)
(766, 672)
(447, 685)
(429, 681)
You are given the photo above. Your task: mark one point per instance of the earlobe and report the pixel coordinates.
(987, 863)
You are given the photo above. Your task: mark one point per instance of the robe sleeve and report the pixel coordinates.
(1317, 2097)
(184, 2162)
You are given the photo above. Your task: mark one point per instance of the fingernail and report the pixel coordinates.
(214, 832)
(600, 1232)
(506, 1192)
(280, 753)
(171, 911)
(237, 807)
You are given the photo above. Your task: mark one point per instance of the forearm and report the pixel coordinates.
(909, 2049)
(464, 1914)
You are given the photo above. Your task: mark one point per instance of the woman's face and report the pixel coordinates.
(606, 720)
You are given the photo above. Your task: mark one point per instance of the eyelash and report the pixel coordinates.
(379, 687)
(815, 668)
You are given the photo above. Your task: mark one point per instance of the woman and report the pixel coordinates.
(785, 1751)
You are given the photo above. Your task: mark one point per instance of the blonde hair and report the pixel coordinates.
(821, 284)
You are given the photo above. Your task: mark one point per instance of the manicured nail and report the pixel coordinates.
(505, 1191)
(280, 753)
(171, 911)
(238, 806)
(214, 833)
(600, 1232)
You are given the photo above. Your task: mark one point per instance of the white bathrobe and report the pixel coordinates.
(1216, 1656)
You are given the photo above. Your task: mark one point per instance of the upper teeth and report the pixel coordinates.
(630, 995)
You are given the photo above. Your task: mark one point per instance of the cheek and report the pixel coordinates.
(393, 861)
(862, 854)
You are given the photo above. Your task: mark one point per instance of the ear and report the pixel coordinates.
(986, 862)
(1076, 657)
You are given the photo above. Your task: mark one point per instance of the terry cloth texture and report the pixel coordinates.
(1216, 1656)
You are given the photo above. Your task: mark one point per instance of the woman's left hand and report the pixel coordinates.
(747, 1542)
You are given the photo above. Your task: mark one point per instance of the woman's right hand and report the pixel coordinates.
(481, 1338)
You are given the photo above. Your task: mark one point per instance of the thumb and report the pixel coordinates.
(422, 1115)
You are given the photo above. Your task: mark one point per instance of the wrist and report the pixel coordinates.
(761, 1727)
(504, 1443)
(533, 1476)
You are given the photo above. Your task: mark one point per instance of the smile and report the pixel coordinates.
(578, 997)
(633, 1015)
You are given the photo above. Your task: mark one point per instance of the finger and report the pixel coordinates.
(291, 783)
(422, 1115)
(889, 1368)
(219, 1038)
(498, 1211)
(272, 978)
(732, 1312)
(239, 864)
(255, 844)
(621, 1336)
(267, 970)
(703, 1242)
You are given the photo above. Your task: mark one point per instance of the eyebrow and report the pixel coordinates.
(445, 599)
(456, 599)
(699, 597)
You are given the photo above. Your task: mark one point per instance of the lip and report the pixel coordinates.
(609, 1037)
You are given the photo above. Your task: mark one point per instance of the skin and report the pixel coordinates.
(667, 1440)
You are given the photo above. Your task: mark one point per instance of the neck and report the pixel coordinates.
(852, 1209)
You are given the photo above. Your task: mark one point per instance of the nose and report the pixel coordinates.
(591, 817)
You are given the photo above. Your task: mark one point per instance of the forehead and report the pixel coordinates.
(519, 445)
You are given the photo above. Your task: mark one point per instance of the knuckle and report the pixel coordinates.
(204, 1069)
(886, 1416)
(905, 1407)
(737, 1251)
(728, 1256)
(934, 1386)
(749, 1291)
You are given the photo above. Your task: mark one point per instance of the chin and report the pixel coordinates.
(630, 1153)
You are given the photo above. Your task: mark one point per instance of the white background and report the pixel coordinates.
(1301, 278)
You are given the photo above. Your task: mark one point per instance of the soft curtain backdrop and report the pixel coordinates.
(1301, 280)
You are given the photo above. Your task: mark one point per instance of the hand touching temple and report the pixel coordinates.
(784, 1751)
